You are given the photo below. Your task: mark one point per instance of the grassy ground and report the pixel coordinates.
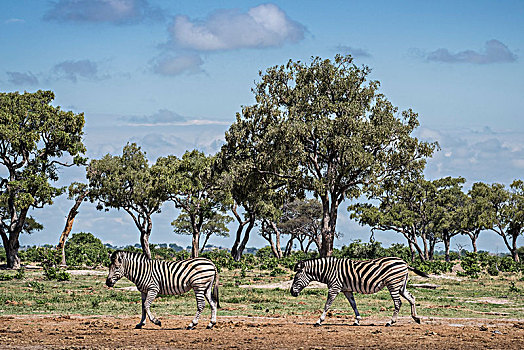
(487, 297)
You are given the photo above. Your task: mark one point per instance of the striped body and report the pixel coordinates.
(153, 277)
(348, 276)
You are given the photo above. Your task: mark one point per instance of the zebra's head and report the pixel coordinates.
(115, 269)
(301, 279)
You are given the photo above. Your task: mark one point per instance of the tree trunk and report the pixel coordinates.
(514, 250)
(144, 242)
(195, 244)
(238, 249)
(474, 244)
(289, 246)
(446, 248)
(69, 225)
(205, 242)
(240, 245)
(411, 250)
(11, 246)
(329, 219)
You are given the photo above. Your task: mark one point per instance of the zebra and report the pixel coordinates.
(153, 277)
(348, 276)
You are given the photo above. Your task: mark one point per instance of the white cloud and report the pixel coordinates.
(261, 26)
(494, 52)
(14, 20)
(177, 65)
(110, 11)
(478, 155)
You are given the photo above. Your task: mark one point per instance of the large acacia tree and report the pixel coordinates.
(36, 140)
(127, 182)
(324, 128)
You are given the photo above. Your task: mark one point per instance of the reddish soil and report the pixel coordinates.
(104, 332)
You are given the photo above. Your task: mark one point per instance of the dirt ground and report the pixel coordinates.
(104, 332)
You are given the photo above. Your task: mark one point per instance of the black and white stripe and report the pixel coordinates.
(153, 277)
(366, 277)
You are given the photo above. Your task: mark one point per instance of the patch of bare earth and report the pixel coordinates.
(104, 332)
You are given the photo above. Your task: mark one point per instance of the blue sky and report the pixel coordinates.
(170, 75)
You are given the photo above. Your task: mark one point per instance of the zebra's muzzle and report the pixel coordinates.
(294, 293)
(109, 283)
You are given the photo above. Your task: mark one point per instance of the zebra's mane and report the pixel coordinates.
(128, 255)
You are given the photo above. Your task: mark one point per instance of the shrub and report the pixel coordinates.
(50, 263)
(361, 251)
(470, 265)
(432, 266)
(84, 249)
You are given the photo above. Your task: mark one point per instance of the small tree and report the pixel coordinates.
(191, 184)
(418, 209)
(447, 209)
(126, 182)
(301, 220)
(475, 215)
(36, 139)
(507, 213)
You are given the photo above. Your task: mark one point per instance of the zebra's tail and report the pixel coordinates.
(214, 294)
(418, 272)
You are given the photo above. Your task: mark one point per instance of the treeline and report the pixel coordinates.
(319, 133)
(84, 250)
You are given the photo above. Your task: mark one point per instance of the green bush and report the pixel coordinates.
(84, 249)
(470, 265)
(361, 251)
(432, 266)
(507, 264)
(50, 263)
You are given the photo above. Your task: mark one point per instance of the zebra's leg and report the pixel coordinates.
(332, 294)
(150, 296)
(396, 300)
(351, 299)
(411, 299)
(201, 303)
(213, 305)
(143, 320)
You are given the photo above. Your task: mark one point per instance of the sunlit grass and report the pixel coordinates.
(487, 297)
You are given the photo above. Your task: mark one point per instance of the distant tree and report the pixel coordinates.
(323, 128)
(301, 220)
(36, 140)
(506, 214)
(419, 209)
(448, 205)
(475, 215)
(126, 182)
(78, 192)
(192, 185)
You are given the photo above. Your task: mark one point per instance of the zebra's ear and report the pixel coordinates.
(299, 266)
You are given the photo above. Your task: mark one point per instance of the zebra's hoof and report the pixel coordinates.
(209, 326)
(417, 319)
(317, 324)
(388, 324)
(139, 326)
(190, 328)
(356, 323)
(158, 323)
